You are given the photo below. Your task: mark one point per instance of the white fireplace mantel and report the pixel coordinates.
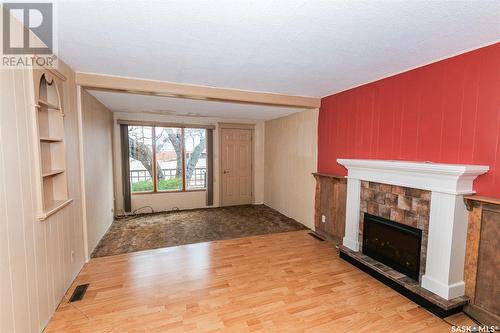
(437, 177)
(447, 219)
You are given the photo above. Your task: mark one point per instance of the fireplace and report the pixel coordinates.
(394, 244)
(444, 239)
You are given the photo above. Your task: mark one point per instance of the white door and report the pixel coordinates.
(236, 157)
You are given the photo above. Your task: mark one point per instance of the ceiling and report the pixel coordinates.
(123, 102)
(310, 48)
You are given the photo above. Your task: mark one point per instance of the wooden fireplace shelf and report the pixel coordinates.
(328, 175)
(479, 198)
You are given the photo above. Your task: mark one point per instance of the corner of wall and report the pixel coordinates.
(98, 173)
(290, 158)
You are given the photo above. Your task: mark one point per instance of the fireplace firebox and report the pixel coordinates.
(394, 244)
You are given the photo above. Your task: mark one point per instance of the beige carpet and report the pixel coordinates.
(151, 231)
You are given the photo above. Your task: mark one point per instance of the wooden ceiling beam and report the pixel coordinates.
(188, 91)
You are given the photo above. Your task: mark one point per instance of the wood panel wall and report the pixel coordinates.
(290, 158)
(448, 112)
(38, 260)
(482, 262)
(97, 128)
(330, 202)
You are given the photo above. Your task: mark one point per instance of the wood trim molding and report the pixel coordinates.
(327, 175)
(79, 110)
(470, 199)
(168, 191)
(161, 124)
(453, 179)
(189, 91)
(219, 158)
(55, 72)
(236, 126)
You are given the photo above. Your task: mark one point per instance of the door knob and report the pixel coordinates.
(226, 171)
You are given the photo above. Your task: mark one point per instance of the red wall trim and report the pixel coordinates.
(447, 112)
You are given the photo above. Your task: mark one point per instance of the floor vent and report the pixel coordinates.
(79, 292)
(316, 236)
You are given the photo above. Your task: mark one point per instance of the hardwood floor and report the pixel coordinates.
(287, 282)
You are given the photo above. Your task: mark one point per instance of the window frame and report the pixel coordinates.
(183, 162)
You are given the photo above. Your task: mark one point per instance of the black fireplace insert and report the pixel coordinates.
(394, 244)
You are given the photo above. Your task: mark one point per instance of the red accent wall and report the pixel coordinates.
(447, 112)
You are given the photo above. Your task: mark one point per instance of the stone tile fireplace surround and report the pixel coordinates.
(428, 196)
(400, 204)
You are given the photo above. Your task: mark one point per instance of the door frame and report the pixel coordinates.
(220, 127)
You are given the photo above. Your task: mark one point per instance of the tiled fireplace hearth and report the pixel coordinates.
(423, 196)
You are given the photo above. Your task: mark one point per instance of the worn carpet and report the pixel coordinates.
(151, 231)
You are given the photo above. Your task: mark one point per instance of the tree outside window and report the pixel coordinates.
(178, 161)
(195, 143)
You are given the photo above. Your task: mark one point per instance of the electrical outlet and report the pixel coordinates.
(323, 218)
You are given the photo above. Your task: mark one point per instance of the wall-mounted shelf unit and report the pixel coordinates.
(48, 105)
(51, 173)
(49, 147)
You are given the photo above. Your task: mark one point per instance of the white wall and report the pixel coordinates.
(97, 130)
(186, 200)
(36, 261)
(291, 145)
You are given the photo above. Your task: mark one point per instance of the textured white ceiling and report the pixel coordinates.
(122, 102)
(301, 47)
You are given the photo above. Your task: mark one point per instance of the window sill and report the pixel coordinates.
(166, 192)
